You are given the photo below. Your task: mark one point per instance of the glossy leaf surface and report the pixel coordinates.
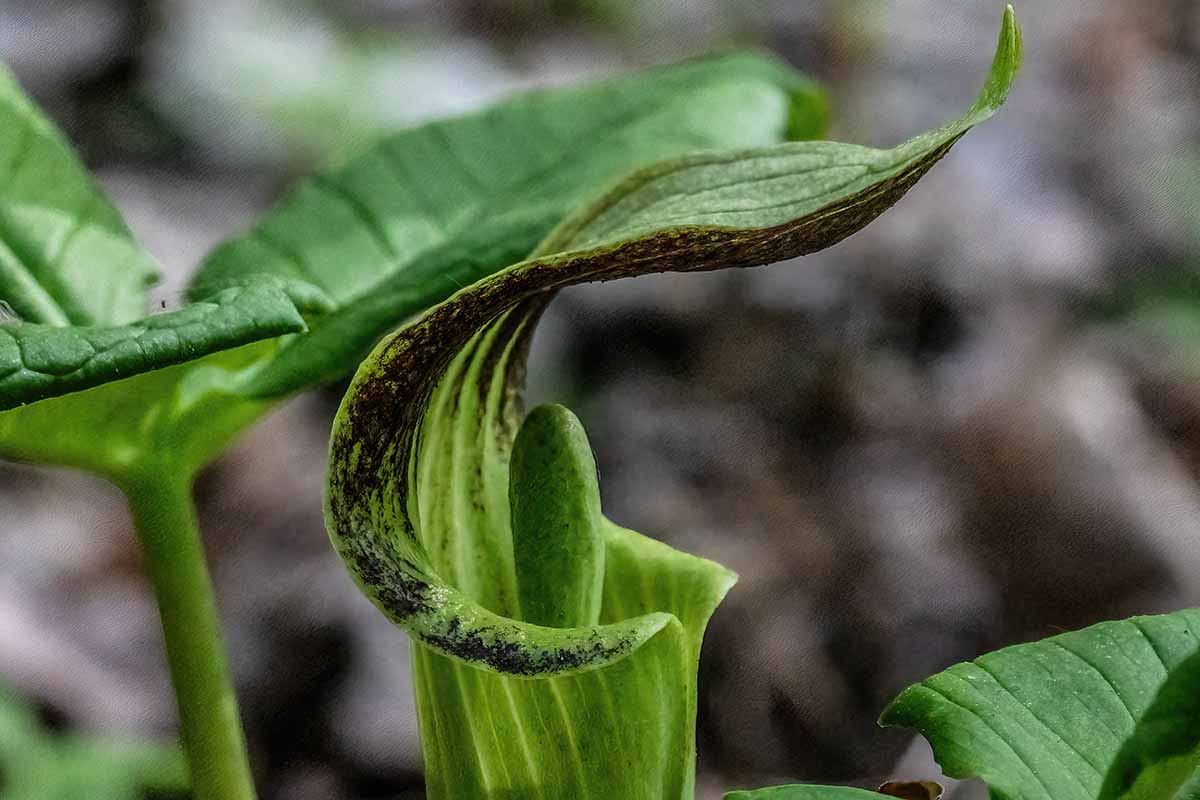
(1111, 712)
(909, 790)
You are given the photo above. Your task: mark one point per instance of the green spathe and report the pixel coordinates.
(421, 482)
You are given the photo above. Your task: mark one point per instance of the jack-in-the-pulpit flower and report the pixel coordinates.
(556, 652)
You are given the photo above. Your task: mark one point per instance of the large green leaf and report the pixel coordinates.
(178, 418)
(427, 211)
(1111, 712)
(418, 503)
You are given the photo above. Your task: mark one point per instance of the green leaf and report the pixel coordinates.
(1160, 305)
(1109, 712)
(35, 765)
(911, 790)
(1164, 750)
(430, 210)
(66, 256)
(76, 280)
(1191, 790)
(804, 792)
(164, 393)
(177, 418)
(40, 361)
(418, 503)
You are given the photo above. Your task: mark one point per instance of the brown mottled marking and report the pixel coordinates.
(382, 414)
(376, 434)
(912, 790)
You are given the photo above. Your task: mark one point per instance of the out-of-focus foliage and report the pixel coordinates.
(36, 764)
(294, 87)
(1162, 300)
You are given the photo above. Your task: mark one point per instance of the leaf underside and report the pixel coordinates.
(1106, 713)
(417, 503)
(427, 211)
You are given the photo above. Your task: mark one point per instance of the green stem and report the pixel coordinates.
(165, 517)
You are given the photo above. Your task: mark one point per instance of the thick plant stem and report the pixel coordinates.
(165, 517)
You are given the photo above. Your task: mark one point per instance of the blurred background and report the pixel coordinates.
(914, 447)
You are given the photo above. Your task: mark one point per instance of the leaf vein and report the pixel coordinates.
(1056, 734)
